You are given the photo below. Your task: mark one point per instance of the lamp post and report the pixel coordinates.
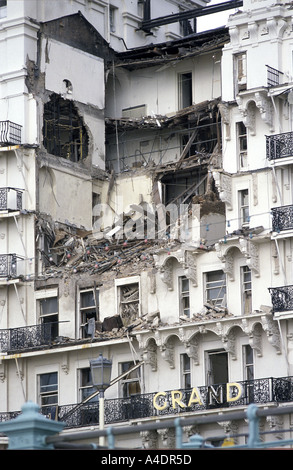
(101, 377)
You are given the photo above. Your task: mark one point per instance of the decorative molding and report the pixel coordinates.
(223, 183)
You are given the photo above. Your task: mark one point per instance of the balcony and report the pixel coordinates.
(279, 146)
(282, 218)
(11, 266)
(10, 133)
(274, 76)
(10, 199)
(282, 298)
(27, 337)
(136, 407)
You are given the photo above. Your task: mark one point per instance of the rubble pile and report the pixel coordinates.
(77, 251)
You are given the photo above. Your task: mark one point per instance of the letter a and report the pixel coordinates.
(194, 397)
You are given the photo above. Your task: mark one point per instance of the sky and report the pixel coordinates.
(213, 21)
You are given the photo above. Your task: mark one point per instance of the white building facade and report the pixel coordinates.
(145, 213)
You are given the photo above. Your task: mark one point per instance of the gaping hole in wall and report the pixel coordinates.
(180, 187)
(64, 133)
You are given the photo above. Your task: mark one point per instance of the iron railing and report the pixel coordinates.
(279, 146)
(8, 266)
(259, 391)
(273, 76)
(10, 133)
(10, 199)
(282, 218)
(282, 298)
(26, 337)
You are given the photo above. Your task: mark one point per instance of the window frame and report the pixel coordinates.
(48, 394)
(123, 282)
(185, 371)
(240, 72)
(125, 381)
(182, 93)
(219, 301)
(246, 293)
(83, 322)
(86, 389)
(242, 142)
(183, 295)
(244, 207)
(43, 295)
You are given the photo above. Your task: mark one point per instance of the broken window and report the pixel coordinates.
(130, 383)
(180, 187)
(184, 296)
(64, 134)
(216, 288)
(129, 302)
(217, 367)
(242, 144)
(185, 89)
(240, 73)
(89, 311)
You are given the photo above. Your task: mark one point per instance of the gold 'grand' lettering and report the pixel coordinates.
(160, 402)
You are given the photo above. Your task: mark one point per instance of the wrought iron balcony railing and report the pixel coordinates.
(262, 391)
(8, 266)
(10, 133)
(274, 76)
(27, 337)
(282, 298)
(282, 218)
(10, 199)
(279, 146)
(12, 266)
(258, 391)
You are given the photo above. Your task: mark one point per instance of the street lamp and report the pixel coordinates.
(101, 377)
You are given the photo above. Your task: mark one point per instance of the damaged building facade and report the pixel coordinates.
(145, 208)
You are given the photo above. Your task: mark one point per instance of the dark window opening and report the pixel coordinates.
(63, 131)
(181, 187)
(217, 367)
(185, 90)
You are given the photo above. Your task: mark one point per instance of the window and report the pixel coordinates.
(246, 289)
(185, 371)
(89, 311)
(112, 19)
(185, 89)
(130, 383)
(48, 391)
(248, 362)
(242, 144)
(86, 385)
(48, 313)
(244, 208)
(216, 288)
(240, 75)
(3, 8)
(128, 302)
(184, 296)
(217, 367)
